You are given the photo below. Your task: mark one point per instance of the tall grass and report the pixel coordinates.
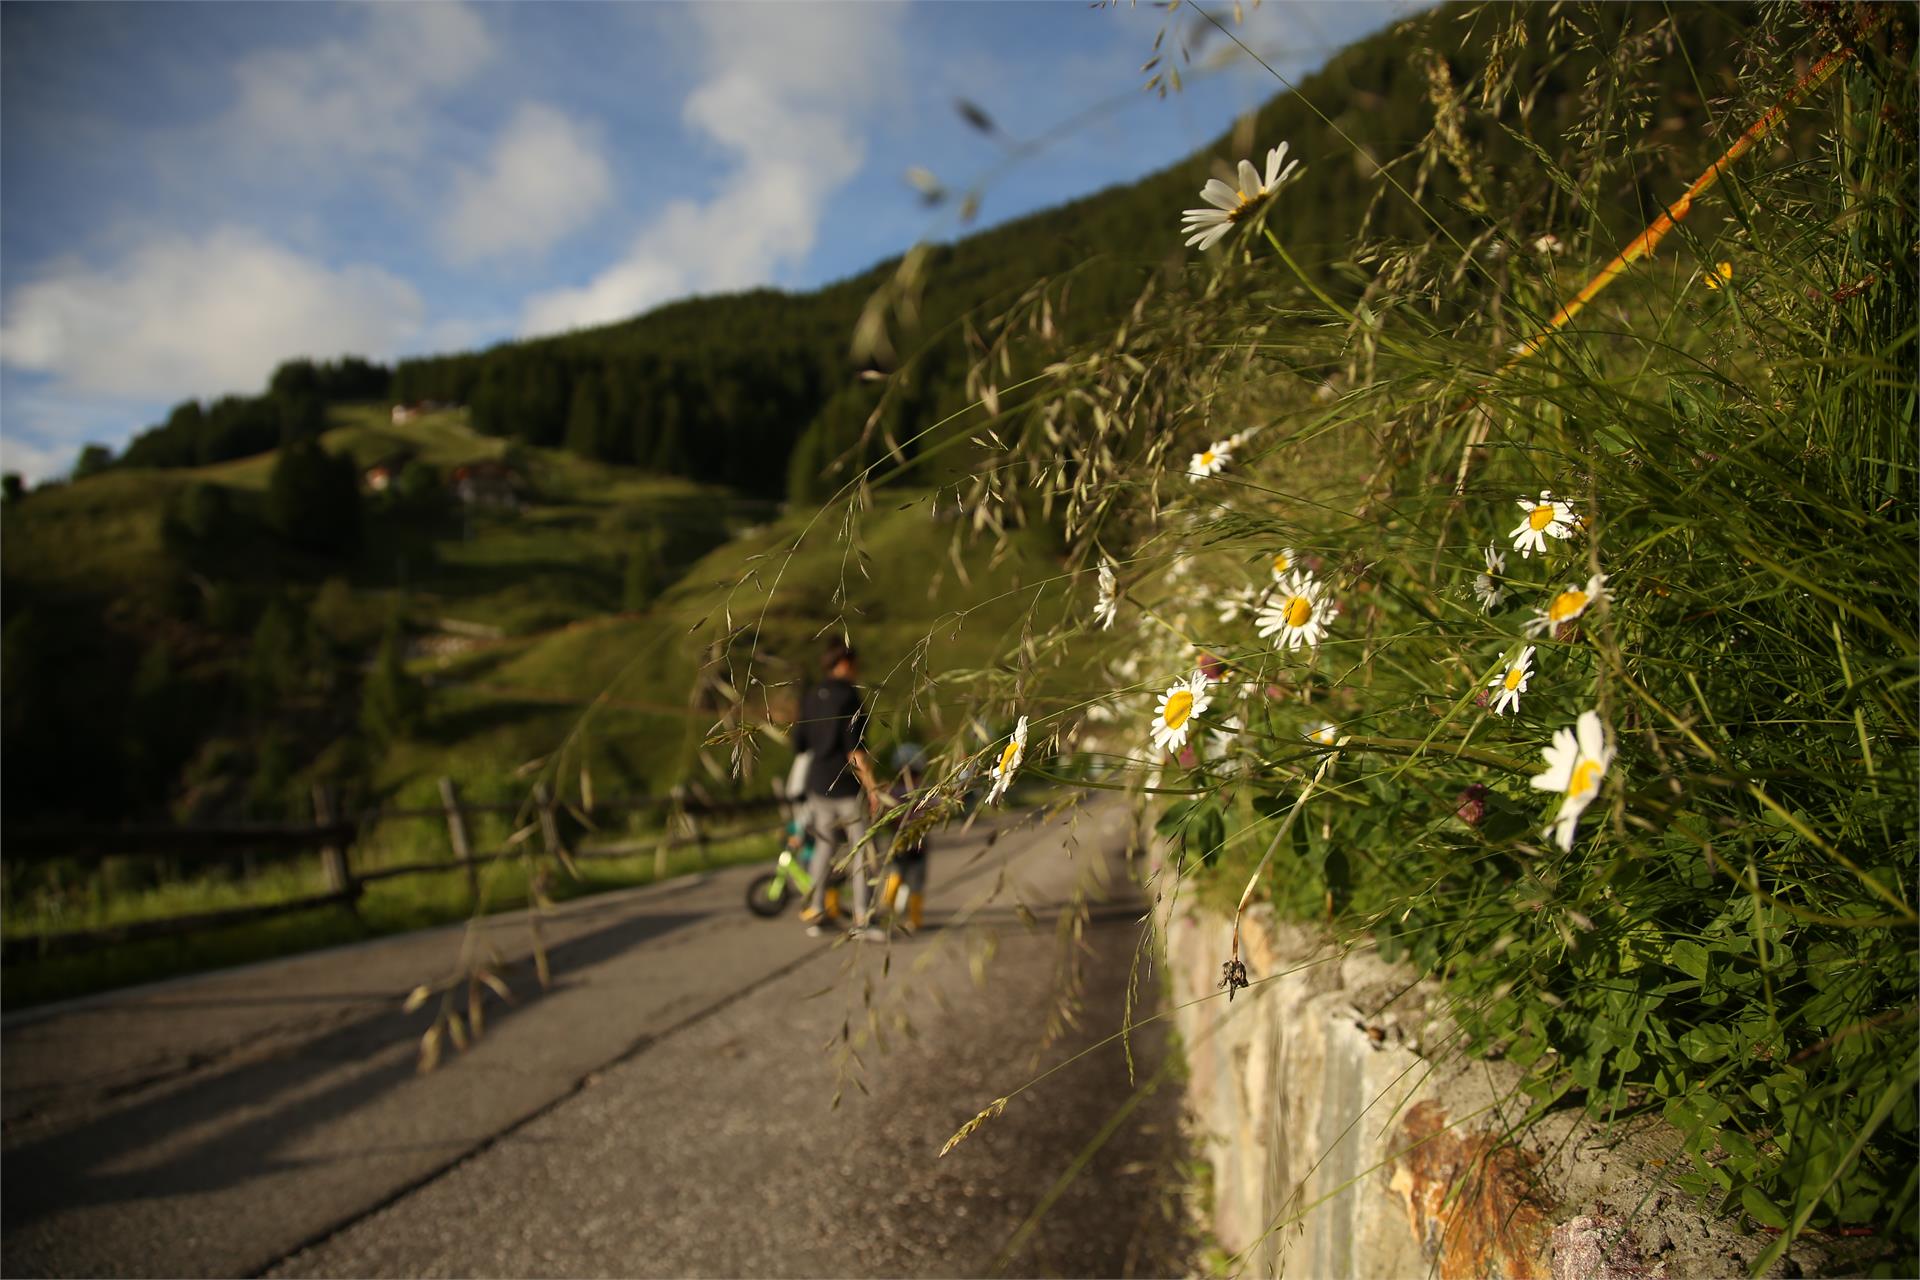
(1728, 939)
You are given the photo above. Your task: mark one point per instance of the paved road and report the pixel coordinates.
(666, 1107)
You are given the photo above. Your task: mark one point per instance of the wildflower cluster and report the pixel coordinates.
(1618, 768)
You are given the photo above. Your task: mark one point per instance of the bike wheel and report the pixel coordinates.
(768, 894)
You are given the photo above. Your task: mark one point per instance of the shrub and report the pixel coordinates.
(313, 499)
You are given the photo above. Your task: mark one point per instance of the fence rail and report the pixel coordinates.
(335, 839)
(188, 844)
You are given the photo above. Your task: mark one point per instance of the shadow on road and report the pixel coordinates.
(91, 1164)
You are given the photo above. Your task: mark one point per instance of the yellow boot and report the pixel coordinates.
(916, 909)
(892, 892)
(832, 900)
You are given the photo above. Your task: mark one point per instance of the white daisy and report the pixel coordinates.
(1107, 607)
(1284, 563)
(1234, 603)
(1298, 611)
(1009, 761)
(1512, 682)
(1486, 587)
(1173, 717)
(1234, 204)
(1209, 461)
(1324, 733)
(1547, 518)
(1576, 762)
(1548, 243)
(1569, 604)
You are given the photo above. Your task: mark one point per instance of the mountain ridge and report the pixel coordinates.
(756, 389)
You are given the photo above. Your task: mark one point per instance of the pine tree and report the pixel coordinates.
(313, 499)
(273, 659)
(585, 418)
(643, 572)
(393, 702)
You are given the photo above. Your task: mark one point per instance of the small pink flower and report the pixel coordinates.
(1471, 805)
(1187, 757)
(1214, 668)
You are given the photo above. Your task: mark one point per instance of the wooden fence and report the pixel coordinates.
(335, 839)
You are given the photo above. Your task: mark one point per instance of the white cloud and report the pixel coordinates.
(544, 179)
(361, 97)
(33, 462)
(784, 95)
(178, 316)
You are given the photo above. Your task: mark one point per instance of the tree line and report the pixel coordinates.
(760, 391)
(293, 407)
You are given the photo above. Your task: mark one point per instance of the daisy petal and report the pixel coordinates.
(1592, 736)
(1218, 192)
(1249, 180)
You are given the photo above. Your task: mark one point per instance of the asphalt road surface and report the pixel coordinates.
(698, 1092)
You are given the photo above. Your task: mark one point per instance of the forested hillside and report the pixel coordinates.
(193, 627)
(761, 391)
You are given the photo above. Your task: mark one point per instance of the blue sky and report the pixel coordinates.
(191, 193)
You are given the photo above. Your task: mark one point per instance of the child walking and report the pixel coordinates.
(907, 869)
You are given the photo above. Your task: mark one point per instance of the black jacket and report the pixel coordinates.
(832, 725)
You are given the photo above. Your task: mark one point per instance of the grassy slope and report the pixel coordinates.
(550, 577)
(614, 685)
(103, 534)
(503, 704)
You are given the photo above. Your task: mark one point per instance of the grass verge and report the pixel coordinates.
(398, 905)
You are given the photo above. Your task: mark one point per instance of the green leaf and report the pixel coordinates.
(1704, 1044)
(1274, 805)
(1525, 1051)
(1762, 1210)
(1689, 958)
(1175, 816)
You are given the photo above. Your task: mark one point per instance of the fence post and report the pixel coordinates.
(457, 835)
(549, 829)
(674, 815)
(332, 856)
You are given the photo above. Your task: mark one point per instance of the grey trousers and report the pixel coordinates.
(825, 818)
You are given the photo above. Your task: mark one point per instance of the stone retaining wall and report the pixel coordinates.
(1346, 1140)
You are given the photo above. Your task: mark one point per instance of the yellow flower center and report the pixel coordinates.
(1281, 564)
(1299, 609)
(1540, 517)
(1514, 676)
(1567, 604)
(1247, 204)
(1585, 780)
(1009, 758)
(1179, 707)
(1206, 458)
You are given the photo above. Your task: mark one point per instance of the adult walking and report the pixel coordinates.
(842, 793)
